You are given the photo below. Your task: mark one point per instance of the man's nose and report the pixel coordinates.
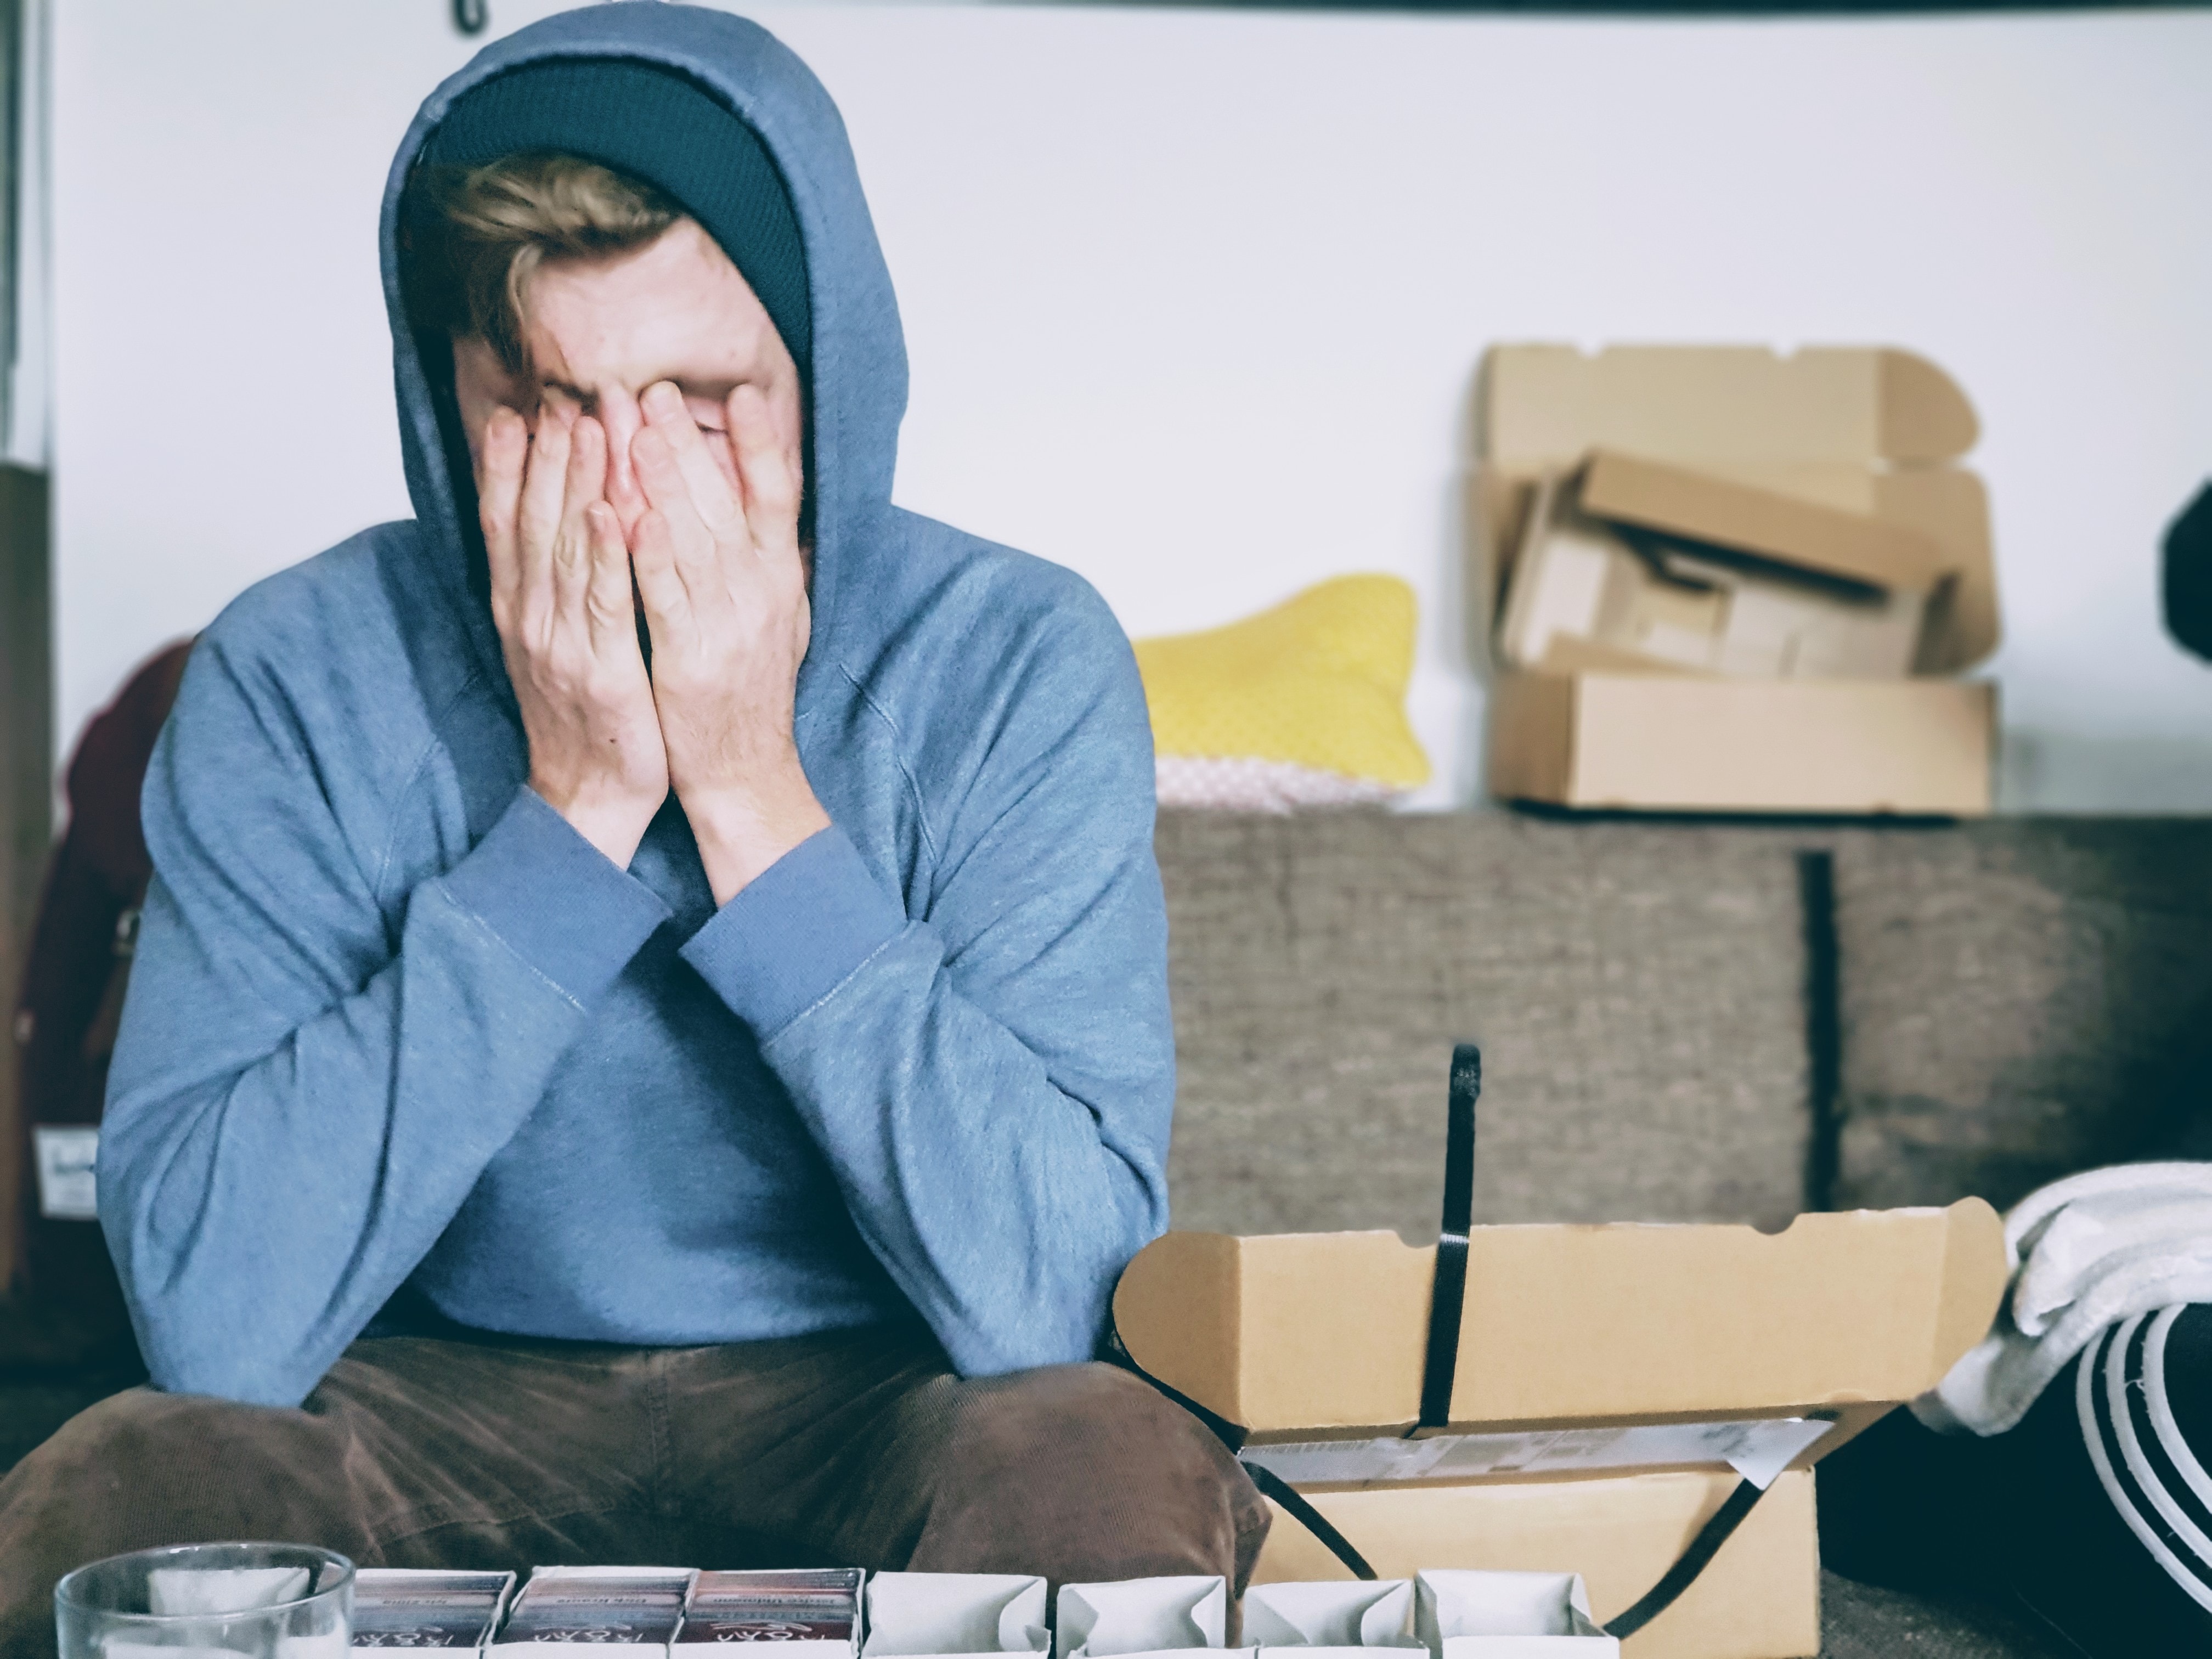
(618, 414)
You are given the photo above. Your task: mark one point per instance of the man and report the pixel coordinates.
(665, 943)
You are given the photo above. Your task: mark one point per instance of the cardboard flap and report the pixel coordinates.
(1545, 405)
(1618, 1323)
(1683, 500)
(1924, 417)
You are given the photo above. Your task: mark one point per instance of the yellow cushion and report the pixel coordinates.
(1318, 682)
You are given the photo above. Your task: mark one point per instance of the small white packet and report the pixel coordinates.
(915, 1613)
(1142, 1616)
(1330, 1615)
(176, 1592)
(1466, 1614)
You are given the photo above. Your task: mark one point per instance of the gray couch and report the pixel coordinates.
(1685, 1021)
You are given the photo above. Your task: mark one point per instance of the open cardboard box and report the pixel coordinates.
(1613, 1385)
(1837, 461)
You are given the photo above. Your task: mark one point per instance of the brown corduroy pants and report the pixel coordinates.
(854, 1448)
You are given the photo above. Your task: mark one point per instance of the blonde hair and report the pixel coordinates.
(472, 237)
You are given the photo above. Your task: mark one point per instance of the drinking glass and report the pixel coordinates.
(209, 1601)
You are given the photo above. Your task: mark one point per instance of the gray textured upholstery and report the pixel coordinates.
(2020, 999)
(1859, 1621)
(1637, 990)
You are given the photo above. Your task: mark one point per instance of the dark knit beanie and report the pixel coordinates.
(657, 126)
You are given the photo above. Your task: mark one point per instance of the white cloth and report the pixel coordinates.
(2086, 1253)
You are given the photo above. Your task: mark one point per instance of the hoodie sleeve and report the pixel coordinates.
(304, 1090)
(992, 1080)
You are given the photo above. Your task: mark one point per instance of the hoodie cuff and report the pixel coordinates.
(795, 933)
(555, 900)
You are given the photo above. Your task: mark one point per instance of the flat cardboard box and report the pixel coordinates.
(1767, 523)
(1602, 738)
(1869, 433)
(1722, 1333)
(1606, 566)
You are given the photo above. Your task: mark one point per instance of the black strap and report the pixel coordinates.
(1233, 1435)
(1447, 1300)
(1310, 1518)
(1448, 1290)
(1679, 1577)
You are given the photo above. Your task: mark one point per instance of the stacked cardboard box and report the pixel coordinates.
(1728, 581)
(1614, 1387)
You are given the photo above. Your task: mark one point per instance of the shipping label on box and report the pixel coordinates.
(1758, 1448)
(620, 1609)
(1139, 1616)
(915, 1613)
(409, 1608)
(807, 1612)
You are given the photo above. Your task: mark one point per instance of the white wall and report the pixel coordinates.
(1194, 300)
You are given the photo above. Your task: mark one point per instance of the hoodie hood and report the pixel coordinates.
(858, 383)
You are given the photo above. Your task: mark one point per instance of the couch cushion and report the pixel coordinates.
(2020, 998)
(1637, 988)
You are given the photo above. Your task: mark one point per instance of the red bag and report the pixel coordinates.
(65, 1022)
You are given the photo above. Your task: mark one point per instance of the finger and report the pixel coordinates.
(661, 589)
(768, 472)
(543, 487)
(587, 468)
(500, 457)
(692, 546)
(612, 614)
(662, 405)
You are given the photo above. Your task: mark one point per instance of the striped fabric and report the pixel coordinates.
(2138, 1432)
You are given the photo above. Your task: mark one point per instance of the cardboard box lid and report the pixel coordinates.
(1545, 405)
(1297, 1332)
(1864, 430)
(1707, 507)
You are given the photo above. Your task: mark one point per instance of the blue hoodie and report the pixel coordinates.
(392, 1022)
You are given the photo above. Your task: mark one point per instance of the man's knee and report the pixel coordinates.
(1096, 1418)
(141, 1469)
(143, 1463)
(1091, 1462)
